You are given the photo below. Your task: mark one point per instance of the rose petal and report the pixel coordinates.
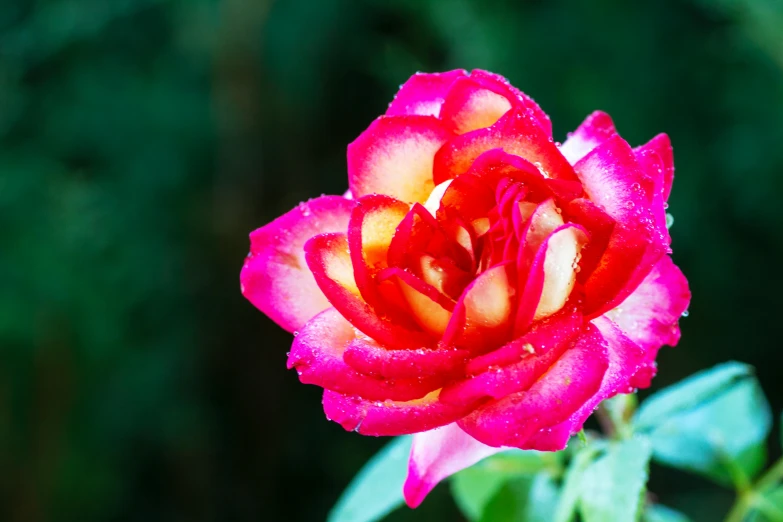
(394, 156)
(373, 224)
(551, 277)
(517, 365)
(650, 314)
(573, 379)
(614, 181)
(367, 356)
(501, 85)
(663, 147)
(518, 133)
(482, 316)
(429, 308)
(328, 258)
(317, 355)
(423, 93)
(390, 417)
(598, 224)
(596, 129)
(625, 358)
(275, 277)
(437, 454)
(469, 106)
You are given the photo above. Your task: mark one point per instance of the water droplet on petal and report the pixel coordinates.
(686, 313)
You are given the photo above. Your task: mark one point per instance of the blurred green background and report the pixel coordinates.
(142, 140)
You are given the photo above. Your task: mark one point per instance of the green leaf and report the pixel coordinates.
(689, 393)
(613, 486)
(722, 438)
(525, 499)
(377, 488)
(572, 485)
(475, 486)
(768, 507)
(659, 513)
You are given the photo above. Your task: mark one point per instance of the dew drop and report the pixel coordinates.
(669, 220)
(629, 204)
(636, 187)
(686, 313)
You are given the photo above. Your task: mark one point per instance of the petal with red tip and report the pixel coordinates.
(518, 133)
(423, 93)
(596, 129)
(469, 106)
(649, 315)
(501, 85)
(394, 156)
(662, 145)
(437, 454)
(562, 390)
(275, 277)
(614, 181)
(383, 418)
(328, 258)
(317, 355)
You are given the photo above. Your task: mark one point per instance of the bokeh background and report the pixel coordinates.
(142, 140)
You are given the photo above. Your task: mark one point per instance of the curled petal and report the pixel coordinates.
(596, 129)
(469, 106)
(423, 93)
(518, 133)
(317, 355)
(501, 85)
(615, 182)
(437, 454)
(573, 379)
(394, 156)
(328, 258)
(275, 277)
(367, 356)
(382, 418)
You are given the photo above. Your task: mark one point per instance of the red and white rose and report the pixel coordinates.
(479, 285)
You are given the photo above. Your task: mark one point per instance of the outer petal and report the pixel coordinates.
(394, 157)
(518, 133)
(390, 417)
(663, 147)
(596, 129)
(437, 454)
(275, 277)
(572, 380)
(423, 93)
(614, 181)
(625, 358)
(328, 258)
(501, 85)
(649, 315)
(317, 355)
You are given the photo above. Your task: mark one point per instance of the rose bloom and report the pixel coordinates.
(479, 285)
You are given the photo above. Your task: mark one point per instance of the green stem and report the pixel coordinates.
(739, 509)
(771, 477)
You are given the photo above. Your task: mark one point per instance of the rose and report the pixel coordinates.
(479, 285)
